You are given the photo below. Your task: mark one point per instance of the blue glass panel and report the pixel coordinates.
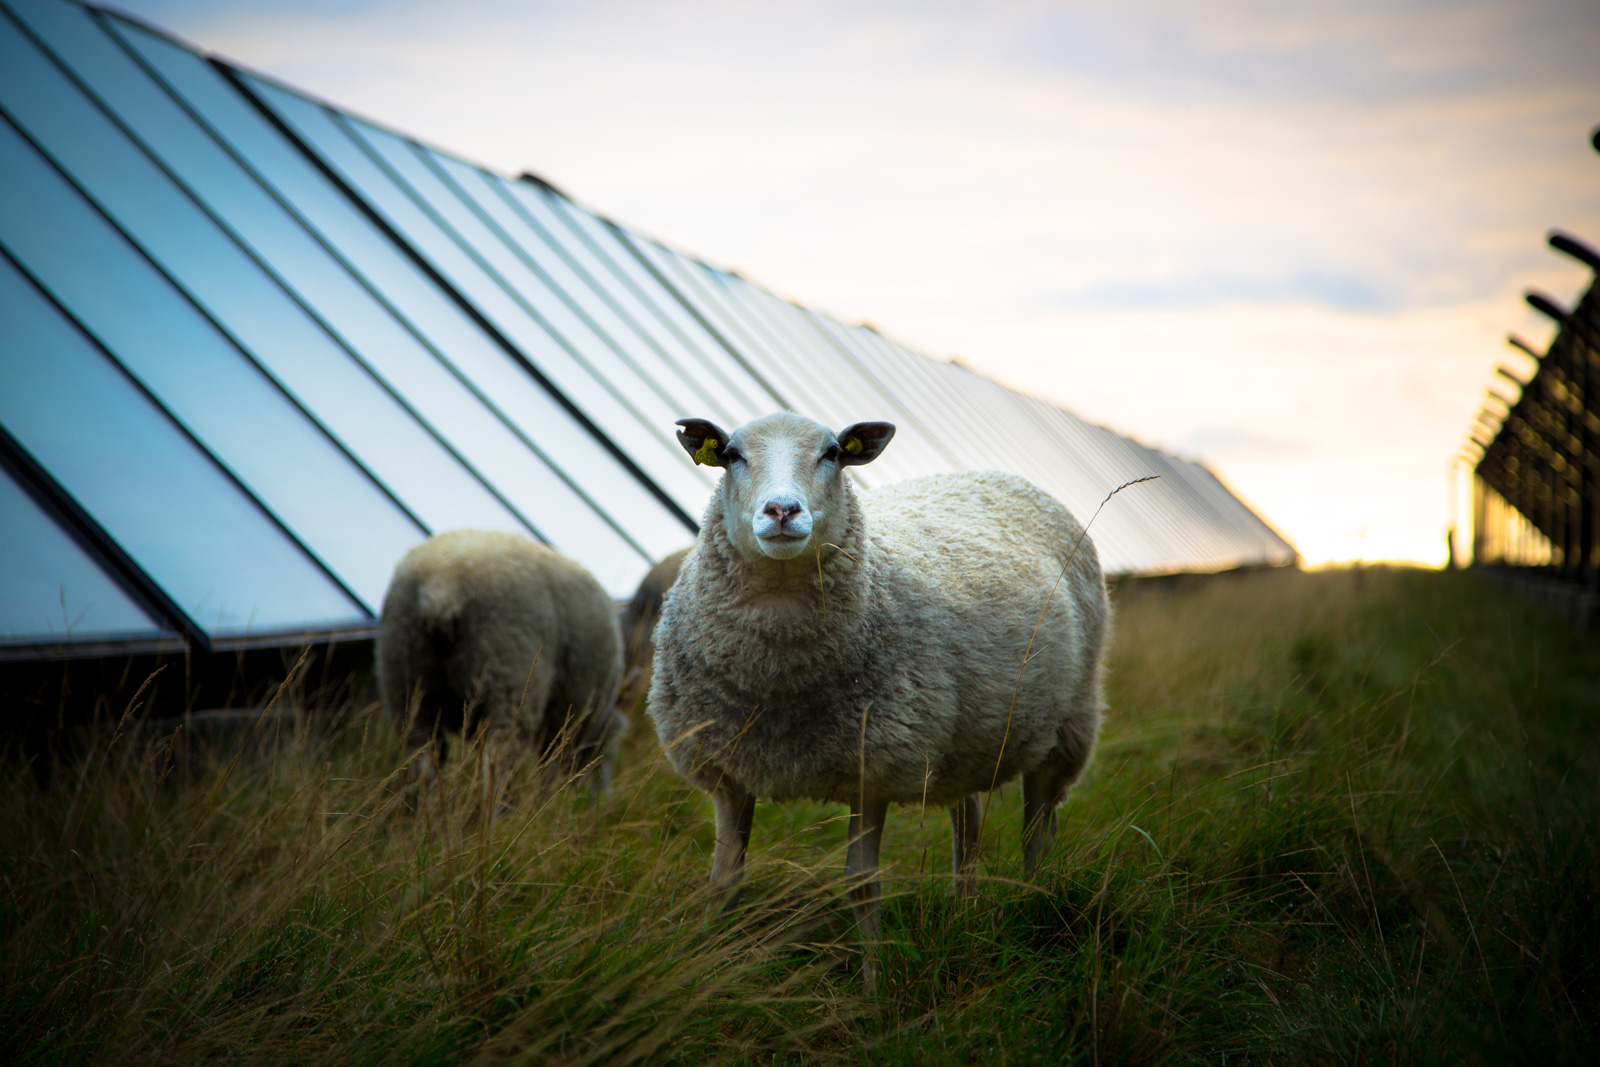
(571, 447)
(693, 281)
(634, 410)
(441, 363)
(50, 590)
(816, 379)
(332, 505)
(708, 363)
(606, 403)
(171, 509)
(662, 303)
(322, 374)
(599, 318)
(688, 278)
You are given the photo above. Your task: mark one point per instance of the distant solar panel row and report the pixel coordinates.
(254, 348)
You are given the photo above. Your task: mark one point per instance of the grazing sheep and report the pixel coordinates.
(907, 645)
(639, 630)
(488, 630)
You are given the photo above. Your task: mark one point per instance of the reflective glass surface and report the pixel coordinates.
(693, 281)
(649, 398)
(329, 503)
(789, 329)
(571, 446)
(324, 375)
(1188, 537)
(442, 364)
(557, 220)
(854, 387)
(866, 347)
(627, 410)
(181, 519)
(544, 255)
(1208, 530)
(800, 389)
(1041, 459)
(387, 387)
(815, 375)
(1134, 529)
(619, 254)
(972, 414)
(50, 590)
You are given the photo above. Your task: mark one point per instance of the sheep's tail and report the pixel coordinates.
(440, 605)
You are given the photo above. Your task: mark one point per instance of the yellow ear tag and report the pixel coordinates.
(706, 454)
(853, 445)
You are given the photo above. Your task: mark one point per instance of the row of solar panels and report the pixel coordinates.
(254, 348)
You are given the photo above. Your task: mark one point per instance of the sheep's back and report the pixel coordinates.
(475, 608)
(985, 539)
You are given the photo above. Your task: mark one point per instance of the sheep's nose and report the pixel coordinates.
(781, 510)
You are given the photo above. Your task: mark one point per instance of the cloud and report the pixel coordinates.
(1227, 442)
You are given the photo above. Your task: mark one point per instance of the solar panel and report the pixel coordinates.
(257, 347)
(55, 590)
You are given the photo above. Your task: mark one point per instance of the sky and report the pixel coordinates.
(1286, 239)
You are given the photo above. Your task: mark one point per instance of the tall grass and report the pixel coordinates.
(1335, 817)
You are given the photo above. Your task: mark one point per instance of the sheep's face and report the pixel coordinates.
(783, 483)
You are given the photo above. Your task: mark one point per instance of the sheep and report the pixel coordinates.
(904, 645)
(488, 630)
(638, 624)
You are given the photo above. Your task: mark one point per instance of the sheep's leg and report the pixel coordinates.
(861, 872)
(1042, 791)
(424, 737)
(966, 822)
(735, 810)
(430, 757)
(606, 769)
(496, 754)
(431, 748)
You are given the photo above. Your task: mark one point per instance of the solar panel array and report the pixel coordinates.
(256, 347)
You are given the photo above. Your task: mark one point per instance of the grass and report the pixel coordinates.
(1336, 817)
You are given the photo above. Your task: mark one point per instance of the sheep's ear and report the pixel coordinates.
(704, 441)
(862, 442)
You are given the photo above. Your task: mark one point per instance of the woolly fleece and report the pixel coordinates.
(901, 688)
(494, 622)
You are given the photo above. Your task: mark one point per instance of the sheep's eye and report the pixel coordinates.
(731, 456)
(831, 455)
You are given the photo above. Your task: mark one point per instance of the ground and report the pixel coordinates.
(1335, 817)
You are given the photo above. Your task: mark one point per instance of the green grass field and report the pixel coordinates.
(1336, 817)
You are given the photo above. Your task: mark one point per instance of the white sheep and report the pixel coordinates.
(489, 630)
(909, 644)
